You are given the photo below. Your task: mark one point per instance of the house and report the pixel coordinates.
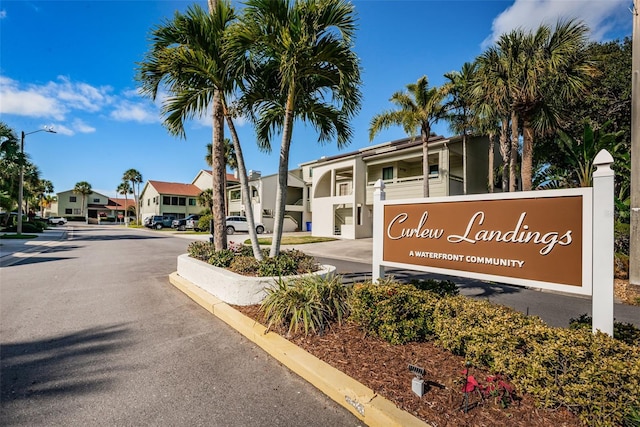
(96, 206)
(73, 205)
(170, 199)
(263, 199)
(342, 185)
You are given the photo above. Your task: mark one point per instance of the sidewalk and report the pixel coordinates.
(12, 250)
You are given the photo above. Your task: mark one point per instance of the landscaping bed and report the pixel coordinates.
(383, 367)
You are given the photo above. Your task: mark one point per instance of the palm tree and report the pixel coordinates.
(205, 198)
(546, 69)
(124, 188)
(188, 56)
(303, 68)
(419, 108)
(10, 162)
(83, 188)
(460, 114)
(44, 188)
(229, 161)
(134, 177)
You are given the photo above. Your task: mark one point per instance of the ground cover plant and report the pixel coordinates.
(524, 372)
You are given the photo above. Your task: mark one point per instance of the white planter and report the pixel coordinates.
(231, 287)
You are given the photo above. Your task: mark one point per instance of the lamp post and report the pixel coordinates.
(21, 182)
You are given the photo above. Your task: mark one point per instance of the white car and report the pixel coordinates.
(239, 223)
(57, 220)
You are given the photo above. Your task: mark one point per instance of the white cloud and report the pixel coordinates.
(3, 14)
(82, 127)
(52, 100)
(31, 102)
(63, 130)
(137, 112)
(600, 16)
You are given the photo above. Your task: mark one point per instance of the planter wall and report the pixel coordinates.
(231, 287)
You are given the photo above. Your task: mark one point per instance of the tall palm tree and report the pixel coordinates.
(459, 88)
(419, 108)
(304, 68)
(205, 198)
(546, 68)
(124, 188)
(188, 56)
(135, 177)
(229, 161)
(44, 188)
(83, 188)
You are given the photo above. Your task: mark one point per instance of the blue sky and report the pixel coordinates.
(71, 65)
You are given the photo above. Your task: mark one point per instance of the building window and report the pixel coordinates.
(343, 189)
(148, 202)
(77, 211)
(310, 172)
(68, 211)
(166, 200)
(387, 173)
(73, 199)
(182, 201)
(234, 195)
(433, 170)
(96, 200)
(192, 202)
(174, 200)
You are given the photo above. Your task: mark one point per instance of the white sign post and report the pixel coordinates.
(603, 213)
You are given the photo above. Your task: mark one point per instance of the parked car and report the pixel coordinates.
(183, 223)
(159, 221)
(239, 223)
(57, 220)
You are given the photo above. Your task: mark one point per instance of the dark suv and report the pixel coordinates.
(159, 221)
(181, 224)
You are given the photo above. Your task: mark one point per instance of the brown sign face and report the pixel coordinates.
(537, 239)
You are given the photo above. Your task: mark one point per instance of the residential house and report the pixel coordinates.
(70, 205)
(263, 200)
(169, 198)
(342, 185)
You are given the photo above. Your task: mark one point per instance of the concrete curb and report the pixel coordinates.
(361, 401)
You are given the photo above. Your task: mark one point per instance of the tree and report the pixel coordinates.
(459, 107)
(124, 188)
(302, 67)
(83, 188)
(189, 57)
(205, 198)
(546, 68)
(10, 163)
(230, 161)
(135, 178)
(419, 108)
(491, 95)
(43, 192)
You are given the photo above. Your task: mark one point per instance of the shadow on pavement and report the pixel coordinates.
(60, 365)
(35, 260)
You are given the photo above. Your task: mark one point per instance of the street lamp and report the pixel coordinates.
(21, 182)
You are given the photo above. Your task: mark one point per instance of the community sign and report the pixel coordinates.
(542, 241)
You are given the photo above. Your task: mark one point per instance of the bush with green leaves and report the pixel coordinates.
(288, 263)
(625, 332)
(204, 222)
(396, 313)
(245, 265)
(311, 303)
(438, 287)
(593, 375)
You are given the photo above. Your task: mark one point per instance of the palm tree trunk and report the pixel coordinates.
(283, 175)
(424, 133)
(527, 155)
(218, 167)
(513, 161)
(504, 153)
(244, 184)
(492, 145)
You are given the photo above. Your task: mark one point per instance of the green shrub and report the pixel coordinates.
(201, 250)
(288, 263)
(625, 332)
(204, 222)
(246, 265)
(396, 313)
(29, 227)
(309, 302)
(438, 287)
(222, 258)
(593, 375)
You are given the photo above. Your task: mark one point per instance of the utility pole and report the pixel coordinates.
(634, 233)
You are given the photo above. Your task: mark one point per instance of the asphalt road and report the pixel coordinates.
(93, 334)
